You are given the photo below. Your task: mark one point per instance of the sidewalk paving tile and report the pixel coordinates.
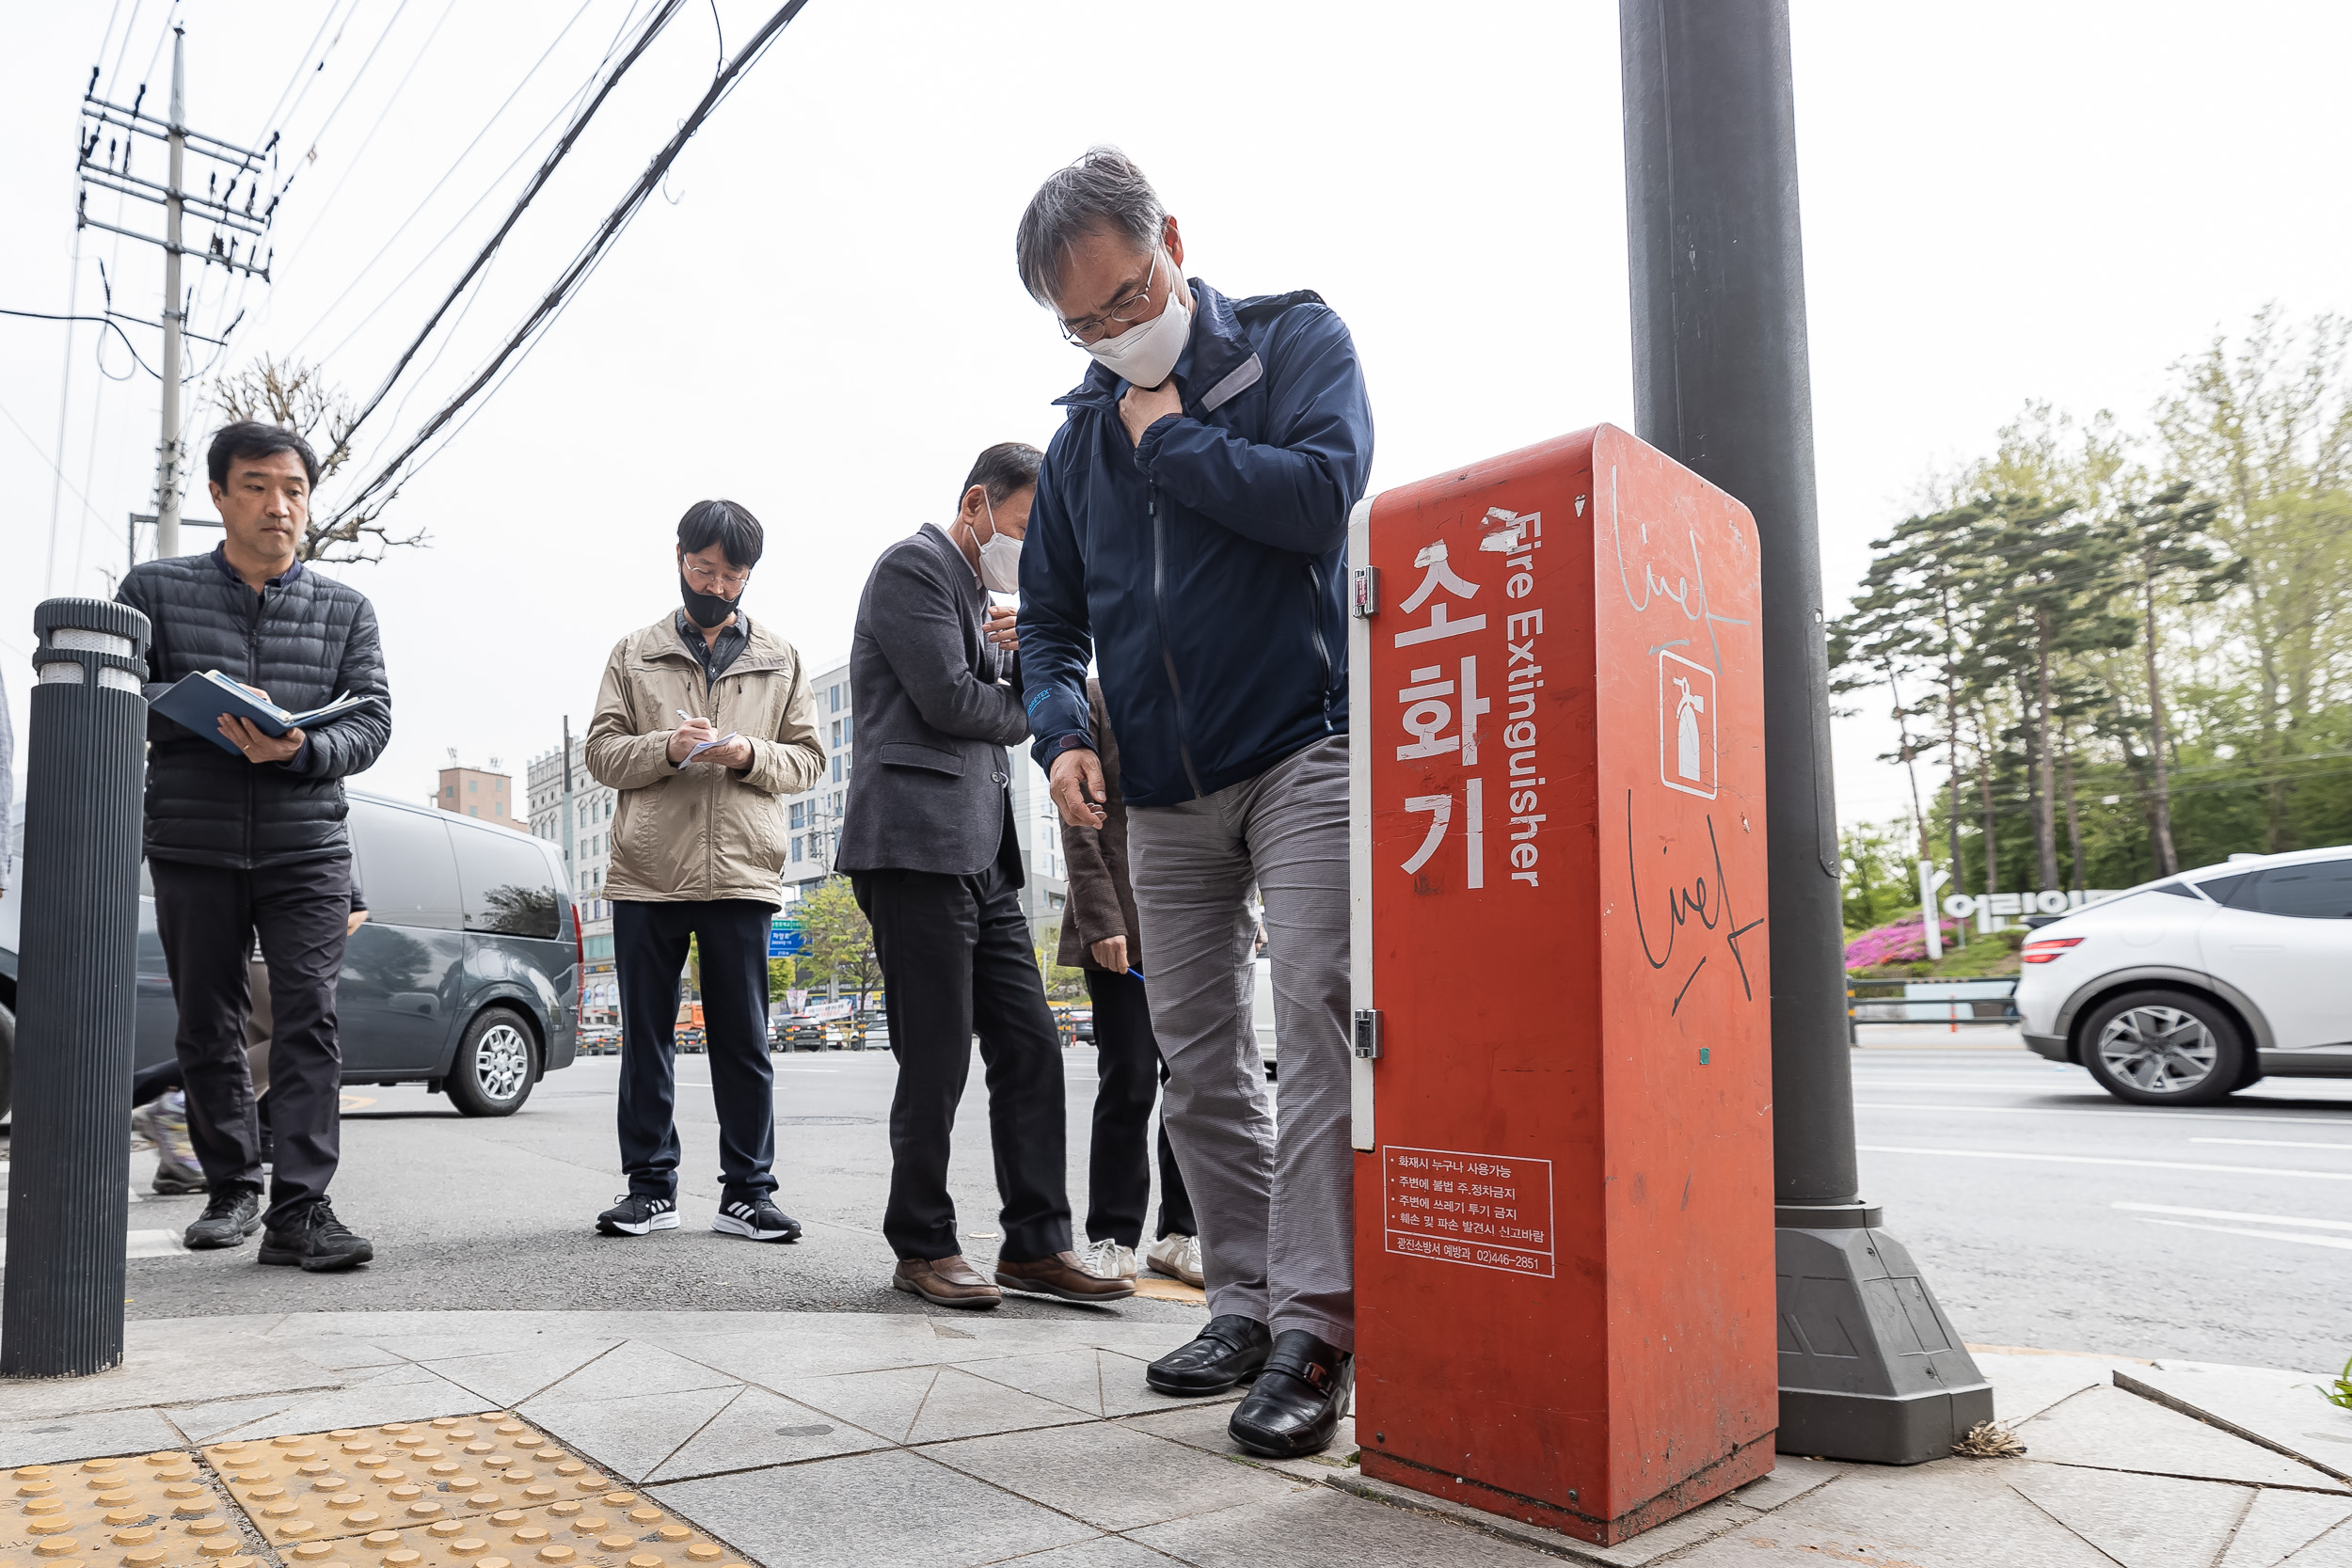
(56, 1438)
(404, 1394)
(2108, 1429)
(2285, 1410)
(635, 1369)
(1114, 1477)
(630, 1437)
(1790, 1478)
(1947, 1513)
(775, 1359)
(1104, 1551)
(895, 1510)
(176, 1369)
(1070, 1377)
(2025, 1385)
(2331, 1550)
(2281, 1524)
(202, 1423)
(1701, 1523)
(510, 1377)
(1125, 1393)
(2140, 1521)
(1203, 1424)
(1320, 1527)
(961, 1406)
(758, 1430)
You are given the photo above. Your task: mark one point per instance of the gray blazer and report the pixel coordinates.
(928, 786)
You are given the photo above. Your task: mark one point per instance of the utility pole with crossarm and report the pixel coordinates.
(232, 228)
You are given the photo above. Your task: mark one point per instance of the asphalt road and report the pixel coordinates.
(2046, 1214)
(2041, 1212)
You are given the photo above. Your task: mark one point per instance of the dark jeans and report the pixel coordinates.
(956, 959)
(1118, 1168)
(208, 918)
(649, 942)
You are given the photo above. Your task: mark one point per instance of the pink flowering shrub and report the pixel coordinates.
(1904, 942)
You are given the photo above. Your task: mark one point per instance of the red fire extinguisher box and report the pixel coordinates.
(1563, 1108)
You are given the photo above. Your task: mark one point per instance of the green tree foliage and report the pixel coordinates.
(1881, 883)
(2129, 655)
(1063, 983)
(838, 944)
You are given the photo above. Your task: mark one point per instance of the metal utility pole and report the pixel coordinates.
(1871, 1368)
(231, 225)
(571, 872)
(69, 1190)
(175, 309)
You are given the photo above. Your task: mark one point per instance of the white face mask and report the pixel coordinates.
(1000, 556)
(1145, 353)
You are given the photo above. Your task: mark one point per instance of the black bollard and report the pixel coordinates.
(77, 993)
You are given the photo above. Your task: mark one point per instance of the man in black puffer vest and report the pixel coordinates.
(248, 839)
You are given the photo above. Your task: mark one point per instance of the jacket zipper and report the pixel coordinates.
(1315, 624)
(1168, 657)
(253, 670)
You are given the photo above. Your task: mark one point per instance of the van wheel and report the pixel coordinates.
(495, 1065)
(2163, 1047)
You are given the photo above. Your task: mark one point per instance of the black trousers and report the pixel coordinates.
(955, 960)
(1129, 1071)
(208, 918)
(649, 942)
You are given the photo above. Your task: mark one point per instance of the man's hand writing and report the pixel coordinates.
(1142, 406)
(1111, 953)
(1076, 785)
(689, 735)
(1003, 622)
(259, 745)
(735, 753)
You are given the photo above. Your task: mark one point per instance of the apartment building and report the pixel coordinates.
(587, 856)
(482, 792)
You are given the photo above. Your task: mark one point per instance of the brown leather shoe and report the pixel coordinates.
(949, 1281)
(1060, 1275)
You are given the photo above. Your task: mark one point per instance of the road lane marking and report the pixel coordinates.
(2096, 1159)
(2344, 1242)
(2243, 1119)
(2231, 1214)
(2268, 1143)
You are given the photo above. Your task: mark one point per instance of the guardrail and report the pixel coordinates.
(1953, 1003)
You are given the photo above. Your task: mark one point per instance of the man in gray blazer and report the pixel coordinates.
(929, 844)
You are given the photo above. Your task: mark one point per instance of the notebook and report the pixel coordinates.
(196, 702)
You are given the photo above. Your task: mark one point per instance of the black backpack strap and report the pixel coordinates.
(1267, 307)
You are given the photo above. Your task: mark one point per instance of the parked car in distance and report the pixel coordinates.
(600, 1039)
(2186, 989)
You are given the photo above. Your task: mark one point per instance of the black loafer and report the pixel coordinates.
(1295, 1408)
(1229, 1351)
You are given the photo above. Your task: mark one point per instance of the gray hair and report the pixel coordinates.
(1103, 190)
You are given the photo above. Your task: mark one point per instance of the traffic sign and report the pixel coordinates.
(785, 939)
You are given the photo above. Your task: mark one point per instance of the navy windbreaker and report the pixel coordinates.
(1204, 568)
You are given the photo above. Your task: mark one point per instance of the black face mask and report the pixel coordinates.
(705, 609)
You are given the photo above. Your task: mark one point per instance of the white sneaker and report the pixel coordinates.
(1108, 1259)
(1178, 1256)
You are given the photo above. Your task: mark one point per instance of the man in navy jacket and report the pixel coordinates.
(1190, 532)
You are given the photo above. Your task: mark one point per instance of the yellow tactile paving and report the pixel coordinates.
(152, 1510)
(487, 1491)
(619, 1529)
(403, 1474)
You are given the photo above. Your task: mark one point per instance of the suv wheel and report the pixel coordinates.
(495, 1065)
(2163, 1047)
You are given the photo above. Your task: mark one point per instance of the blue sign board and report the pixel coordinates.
(784, 938)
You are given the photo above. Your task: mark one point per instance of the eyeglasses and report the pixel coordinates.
(725, 584)
(1126, 313)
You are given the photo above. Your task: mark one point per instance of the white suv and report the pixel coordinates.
(2181, 992)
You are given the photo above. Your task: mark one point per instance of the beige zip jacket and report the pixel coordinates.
(701, 831)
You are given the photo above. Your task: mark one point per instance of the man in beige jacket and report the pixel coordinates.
(704, 725)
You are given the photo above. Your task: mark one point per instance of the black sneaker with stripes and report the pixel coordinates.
(637, 1213)
(756, 1219)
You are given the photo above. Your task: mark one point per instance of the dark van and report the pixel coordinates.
(465, 978)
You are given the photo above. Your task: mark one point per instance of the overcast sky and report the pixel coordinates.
(818, 316)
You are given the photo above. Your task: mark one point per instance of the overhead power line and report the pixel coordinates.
(654, 25)
(590, 254)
